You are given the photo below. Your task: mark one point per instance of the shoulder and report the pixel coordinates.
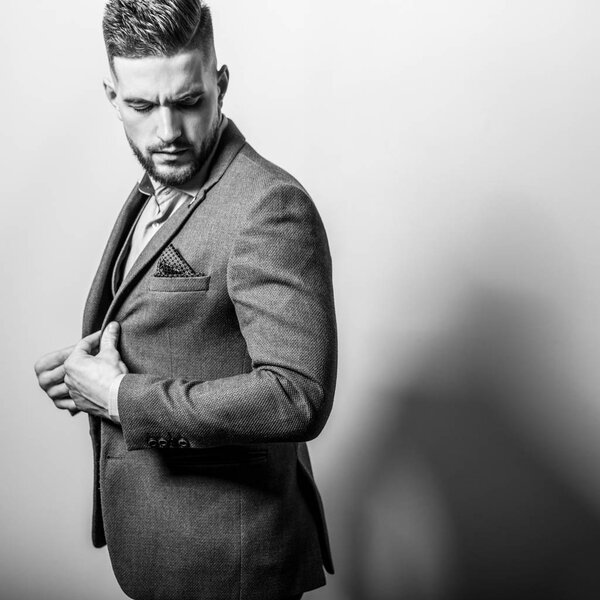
(261, 185)
(277, 215)
(256, 175)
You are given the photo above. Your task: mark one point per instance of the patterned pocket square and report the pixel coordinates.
(172, 264)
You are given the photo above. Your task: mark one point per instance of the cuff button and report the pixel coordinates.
(183, 443)
(152, 442)
(162, 442)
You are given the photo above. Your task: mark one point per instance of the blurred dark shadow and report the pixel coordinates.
(456, 500)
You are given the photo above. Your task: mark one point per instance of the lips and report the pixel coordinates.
(172, 151)
(172, 156)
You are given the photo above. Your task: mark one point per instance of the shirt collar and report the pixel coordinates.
(192, 187)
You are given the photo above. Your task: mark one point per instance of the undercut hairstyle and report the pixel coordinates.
(141, 28)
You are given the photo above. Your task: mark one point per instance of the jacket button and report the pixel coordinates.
(183, 443)
(152, 442)
(162, 442)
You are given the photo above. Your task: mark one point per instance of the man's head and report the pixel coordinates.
(165, 85)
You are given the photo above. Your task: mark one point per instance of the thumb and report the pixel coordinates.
(88, 344)
(110, 336)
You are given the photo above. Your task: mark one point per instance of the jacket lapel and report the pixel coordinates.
(100, 293)
(230, 144)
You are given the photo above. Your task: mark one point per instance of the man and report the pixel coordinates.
(209, 349)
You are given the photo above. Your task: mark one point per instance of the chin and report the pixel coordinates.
(173, 176)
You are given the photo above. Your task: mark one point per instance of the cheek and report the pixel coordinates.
(198, 127)
(138, 130)
(193, 125)
(197, 124)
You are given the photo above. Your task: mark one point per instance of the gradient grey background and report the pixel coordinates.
(452, 150)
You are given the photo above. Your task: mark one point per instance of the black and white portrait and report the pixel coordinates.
(300, 300)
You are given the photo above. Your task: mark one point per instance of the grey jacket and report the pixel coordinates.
(206, 489)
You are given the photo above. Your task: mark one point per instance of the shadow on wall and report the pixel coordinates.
(456, 500)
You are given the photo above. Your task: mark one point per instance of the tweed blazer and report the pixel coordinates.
(205, 490)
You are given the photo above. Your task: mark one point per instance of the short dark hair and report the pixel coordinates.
(140, 28)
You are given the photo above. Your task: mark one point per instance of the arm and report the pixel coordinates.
(279, 279)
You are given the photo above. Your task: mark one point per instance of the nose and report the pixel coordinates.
(169, 125)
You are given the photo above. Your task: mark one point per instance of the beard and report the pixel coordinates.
(181, 174)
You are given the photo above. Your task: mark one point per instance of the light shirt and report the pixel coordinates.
(159, 207)
(162, 203)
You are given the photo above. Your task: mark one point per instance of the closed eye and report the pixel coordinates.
(189, 102)
(182, 104)
(142, 108)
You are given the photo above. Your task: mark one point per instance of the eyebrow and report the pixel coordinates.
(196, 93)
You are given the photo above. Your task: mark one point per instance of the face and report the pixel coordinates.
(170, 108)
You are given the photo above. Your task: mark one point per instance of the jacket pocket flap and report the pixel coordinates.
(179, 284)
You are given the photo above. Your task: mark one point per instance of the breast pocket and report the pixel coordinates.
(200, 283)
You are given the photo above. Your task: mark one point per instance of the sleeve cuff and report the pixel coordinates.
(113, 404)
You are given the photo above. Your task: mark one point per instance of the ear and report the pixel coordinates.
(222, 83)
(111, 94)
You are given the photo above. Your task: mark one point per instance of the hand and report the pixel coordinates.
(50, 371)
(88, 377)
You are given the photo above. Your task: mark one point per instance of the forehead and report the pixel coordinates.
(163, 76)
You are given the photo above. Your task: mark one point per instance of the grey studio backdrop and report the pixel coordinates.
(452, 149)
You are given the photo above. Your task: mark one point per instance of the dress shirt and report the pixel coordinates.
(158, 209)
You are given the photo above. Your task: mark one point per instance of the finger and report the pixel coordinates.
(123, 367)
(75, 395)
(48, 379)
(59, 392)
(110, 337)
(65, 404)
(52, 360)
(93, 339)
(88, 344)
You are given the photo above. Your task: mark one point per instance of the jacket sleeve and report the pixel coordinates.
(279, 280)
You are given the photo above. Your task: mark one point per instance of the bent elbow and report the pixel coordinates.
(315, 416)
(303, 405)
